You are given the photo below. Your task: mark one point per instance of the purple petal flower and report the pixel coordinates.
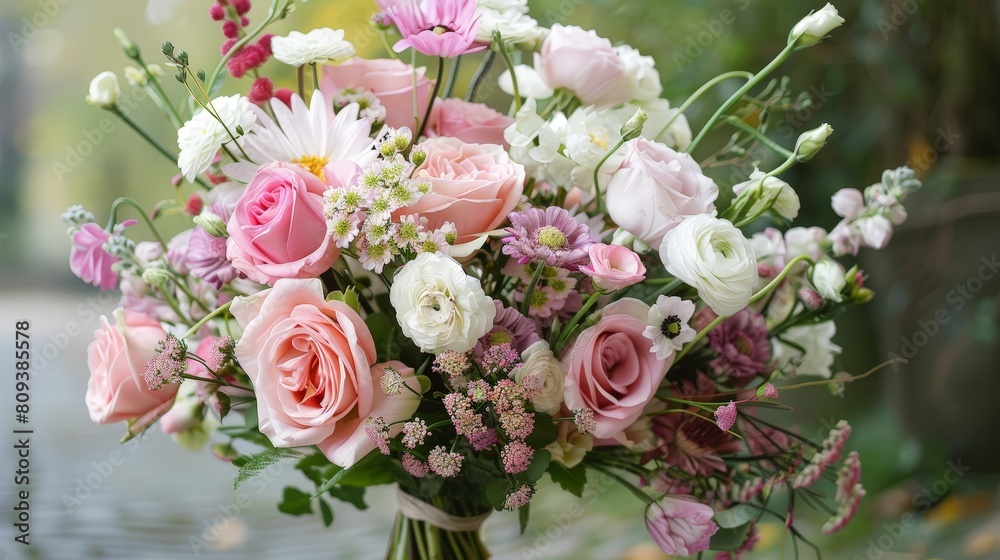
(88, 259)
(445, 28)
(551, 236)
(742, 347)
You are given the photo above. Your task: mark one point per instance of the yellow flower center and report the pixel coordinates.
(601, 140)
(313, 164)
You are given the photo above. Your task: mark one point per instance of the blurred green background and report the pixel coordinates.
(913, 82)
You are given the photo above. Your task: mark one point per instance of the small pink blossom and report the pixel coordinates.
(89, 260)
(680, 525)
(613, 267)
(414, 466)
(519, 498)
(725, 416)
(516, 457)
(445, 464)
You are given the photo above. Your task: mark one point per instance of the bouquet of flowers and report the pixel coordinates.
(387, 283)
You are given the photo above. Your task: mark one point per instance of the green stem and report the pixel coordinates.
(697, 338)
(568, 329)
(778, 60)
(142, 213)
(759, 136)
(701, 91)
(530, 290)
(197, 326)
(152, 141)
(430, 103)
(172, 113)
(315, 73)
(597, 180)
(385, 42)
(484, 67)
(452, 77)
(301, 78)
(505, 54)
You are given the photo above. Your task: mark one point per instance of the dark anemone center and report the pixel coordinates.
(671, 326)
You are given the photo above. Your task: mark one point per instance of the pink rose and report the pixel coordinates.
(613, 267)
(585, 64)
(680, 525)
(655, 189)
(88, 259)
(388, 79)
(473, 186)
(117, 359)
(469, 122)
(312, 365)
(278, 229)
(612, 370)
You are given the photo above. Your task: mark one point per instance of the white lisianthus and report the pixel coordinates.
(438, 306)
(515, 27)
(808, 349)
(827, 276)
(762, 188)
(539, 360)
(104, 90)
(713, 257)
(811, 142)
(529, 83)
(641, 72)
(318, 46)
(812, 28)
(201, 137)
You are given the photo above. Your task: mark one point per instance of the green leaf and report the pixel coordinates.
(225, 404)
(295, 502)
(353, 495)
(252, 465)
(348, 296)
(327, 512)
(735, 516)
(729, 538)
(425, 384)
(496, 493)
(522, 516)
(539, 463)
(545, 431)
(571, 480)
(373, 469)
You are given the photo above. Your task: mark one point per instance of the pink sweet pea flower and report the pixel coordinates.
(445, 28)
(680, 525)
(88, 259)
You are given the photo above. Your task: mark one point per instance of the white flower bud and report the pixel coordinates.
(104, 90)
(827, 276)
(633, 128)
(810, 143)
(211, 223)
(817, 25)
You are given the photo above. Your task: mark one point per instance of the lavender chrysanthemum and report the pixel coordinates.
(743, 348)
(551, 236)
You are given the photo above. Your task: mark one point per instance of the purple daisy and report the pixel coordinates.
(551, 236)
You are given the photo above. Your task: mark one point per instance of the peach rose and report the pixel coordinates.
(469, 122)
(312, 365)
(117, 359)
(612, 371)
(278, 228)
(388, 79)
(473, 186)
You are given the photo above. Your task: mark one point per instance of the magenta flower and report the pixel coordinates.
(742, 347)
(445, 28)
(551, 236)
(680, 525)
(89, 260)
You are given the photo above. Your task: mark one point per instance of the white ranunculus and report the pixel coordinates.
(515, 27)
(827, 276)
(712, 256)
(642, 74)
(763, 188)
(438, 306)
(808, 349)
(318, 46)
(529, 83)
(812, 28)
(539, 360)
(104, 90)
(201, 137)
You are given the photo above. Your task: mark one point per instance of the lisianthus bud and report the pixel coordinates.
(810, 143)
(104, 90)
(761, 193)
(828, 278)
(815, 26)
(131, 49)
(633, 128)
(156, 275)
(211, 223)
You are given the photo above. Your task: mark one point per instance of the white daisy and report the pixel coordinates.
(318, 46)
(201, 137)
(312, 137)
(668, 325)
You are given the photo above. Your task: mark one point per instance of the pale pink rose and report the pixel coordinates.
(848, 203)
(474, 123)
(612, 371)
(89, 261)
(655, 189)
(585, 64)
(278, 229)
(117, 359)
(312, 365)
(388, 79)
(680, 525)
(473, 186)
(613, 267)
